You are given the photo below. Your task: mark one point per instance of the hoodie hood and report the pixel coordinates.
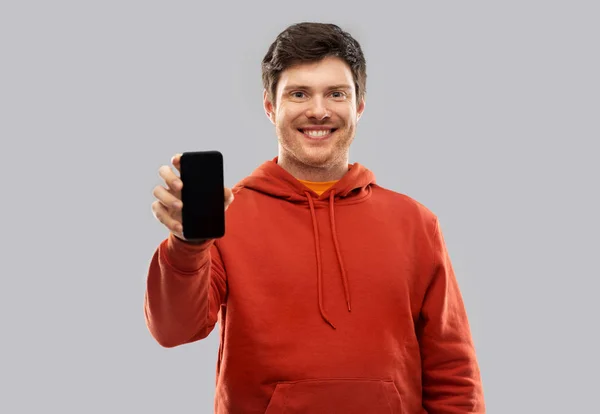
(271, 179)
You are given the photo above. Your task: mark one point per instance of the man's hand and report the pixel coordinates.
(168, 205)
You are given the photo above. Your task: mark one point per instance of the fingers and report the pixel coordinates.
(167, 199)
(171, 180)
(176, 161)
(161, 213)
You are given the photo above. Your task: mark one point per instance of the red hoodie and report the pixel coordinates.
(340, 303)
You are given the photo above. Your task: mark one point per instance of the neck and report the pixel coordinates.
(330, 172)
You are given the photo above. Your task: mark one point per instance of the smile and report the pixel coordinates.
(317, 134)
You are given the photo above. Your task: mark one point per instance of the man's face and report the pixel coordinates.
(316, 112)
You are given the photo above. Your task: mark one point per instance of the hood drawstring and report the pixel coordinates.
(318, 254)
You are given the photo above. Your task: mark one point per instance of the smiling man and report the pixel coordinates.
(334, 294)
(315, 110)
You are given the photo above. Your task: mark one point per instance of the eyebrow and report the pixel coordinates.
(340, 86)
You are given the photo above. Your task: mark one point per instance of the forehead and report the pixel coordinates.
(317, 75)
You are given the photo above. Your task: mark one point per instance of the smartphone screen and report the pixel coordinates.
(202, 195)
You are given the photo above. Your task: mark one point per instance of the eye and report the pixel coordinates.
(339, 94)
(295, 94)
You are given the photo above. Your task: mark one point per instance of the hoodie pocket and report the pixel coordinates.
(332, 396)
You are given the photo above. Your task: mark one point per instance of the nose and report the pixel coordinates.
(317, 109)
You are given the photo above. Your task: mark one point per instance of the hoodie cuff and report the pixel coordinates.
(186, 257)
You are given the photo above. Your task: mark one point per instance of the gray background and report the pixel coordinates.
(486, 112)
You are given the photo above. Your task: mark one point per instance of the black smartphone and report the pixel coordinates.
(202, 195)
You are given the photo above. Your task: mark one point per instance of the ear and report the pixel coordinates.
(361, 108)
(268, 106)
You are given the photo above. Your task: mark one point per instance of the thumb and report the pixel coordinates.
(228, 195)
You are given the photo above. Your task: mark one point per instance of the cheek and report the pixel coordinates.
(291, 116)
(346, 115)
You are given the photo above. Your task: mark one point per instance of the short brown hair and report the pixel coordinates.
(311, 42)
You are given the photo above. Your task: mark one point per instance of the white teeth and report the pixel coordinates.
(317, 134)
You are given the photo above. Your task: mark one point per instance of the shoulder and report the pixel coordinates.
(404, 204)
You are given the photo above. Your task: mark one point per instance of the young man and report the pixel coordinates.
(334, 295)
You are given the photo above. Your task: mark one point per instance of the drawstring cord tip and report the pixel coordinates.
(328, 321)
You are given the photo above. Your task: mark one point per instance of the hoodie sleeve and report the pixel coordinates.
(451, 375)
(186, 286)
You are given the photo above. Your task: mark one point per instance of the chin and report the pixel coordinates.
(317, 160)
